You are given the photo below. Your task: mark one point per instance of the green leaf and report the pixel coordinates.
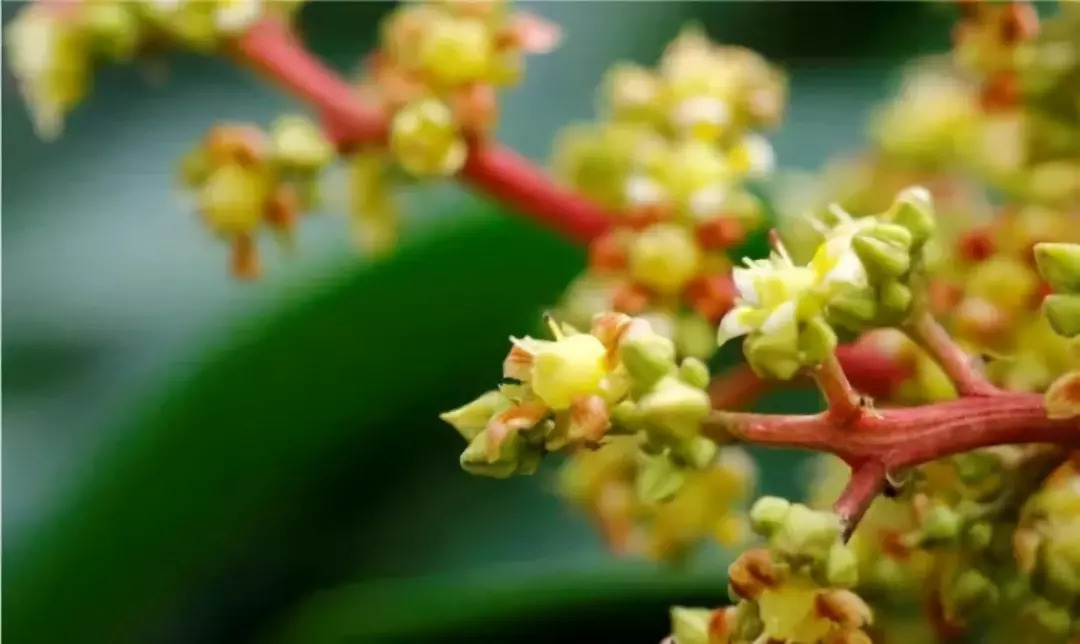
(236, 442)
(496, 602)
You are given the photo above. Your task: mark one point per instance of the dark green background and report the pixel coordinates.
(187, 459)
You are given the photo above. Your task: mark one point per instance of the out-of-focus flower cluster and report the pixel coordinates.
(798, 590)
(857, 279)
(670, 160)
(247, 180)
(436, 74)
(972, 542)
(710, 504)
(577, 390)
(52, 47)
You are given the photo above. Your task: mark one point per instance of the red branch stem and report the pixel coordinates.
(272, 48)
(897, 438)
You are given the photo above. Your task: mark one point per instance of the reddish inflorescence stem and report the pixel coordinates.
(873, 444)
(271, 47)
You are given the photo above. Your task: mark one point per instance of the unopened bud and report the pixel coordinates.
(1059, 264)
(853, 308)
(658, 478)
(772, 356)
(113, 28)
(300, 145)
(694, 372)
(690, 625)
(883, 258)
(940, 525)
(895, 299)
(806, 533)
(472, 418)
(476, 459)
(648, 356)
(664, 257)
(970, 593)
(700, 452)
(695, 336)
(817, 340)
(842, 567)
(1063, 313)
(768, 514)
(913, 209)
(979, 536)
(675, 407)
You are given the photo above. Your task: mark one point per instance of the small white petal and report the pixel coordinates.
(236, 15)
(760, 153)
(848, 270)
(781, 319)
(734, 324)
(744, 284)
(702, 109)
(707, 201)
(643, 191)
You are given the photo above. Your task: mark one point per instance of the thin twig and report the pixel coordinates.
(956, 364)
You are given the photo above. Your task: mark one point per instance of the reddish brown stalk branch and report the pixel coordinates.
(867, 481)
(957, 364)
(272, 48)
(844, 406)
(895, 439)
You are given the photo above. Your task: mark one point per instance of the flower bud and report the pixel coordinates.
(1063, 313)
(690, 625)
(940, 525)
(233, 198)
(658, 478)
(883, 257)
(664, 257)
(476, 458)
(425, 140)
(471, 419)
(675, 407)
(914, 210)
(772, 356)
(895, 299)
(1062, 399)
(647, 356)
(567, 369)
(1059, 264)
(970, 592)
(699, 452)
(694, 372)
(853, 308)
(806, 533)
(1059, 566)
(300, 145)
(817, 341)
(979, 536)
(768, 514)
(695, 336)
(842, 567)
(113, 28)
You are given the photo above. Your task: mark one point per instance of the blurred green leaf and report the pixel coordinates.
(234, 443)
(504, 605)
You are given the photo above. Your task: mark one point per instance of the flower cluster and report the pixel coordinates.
(246, 179)
(857, 280)
(436, 74)
(580, 389)
(795, 591)
(710, 503)
(670, 159)
(53, 46)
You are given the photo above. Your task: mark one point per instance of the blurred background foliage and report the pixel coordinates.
(188, 459)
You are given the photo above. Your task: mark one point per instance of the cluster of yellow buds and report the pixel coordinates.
(53, 46)
(247, 179)
(798, 590)
(579, 390)
(670, 159)
(436, 73)
(857, 279)
(610, 484)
